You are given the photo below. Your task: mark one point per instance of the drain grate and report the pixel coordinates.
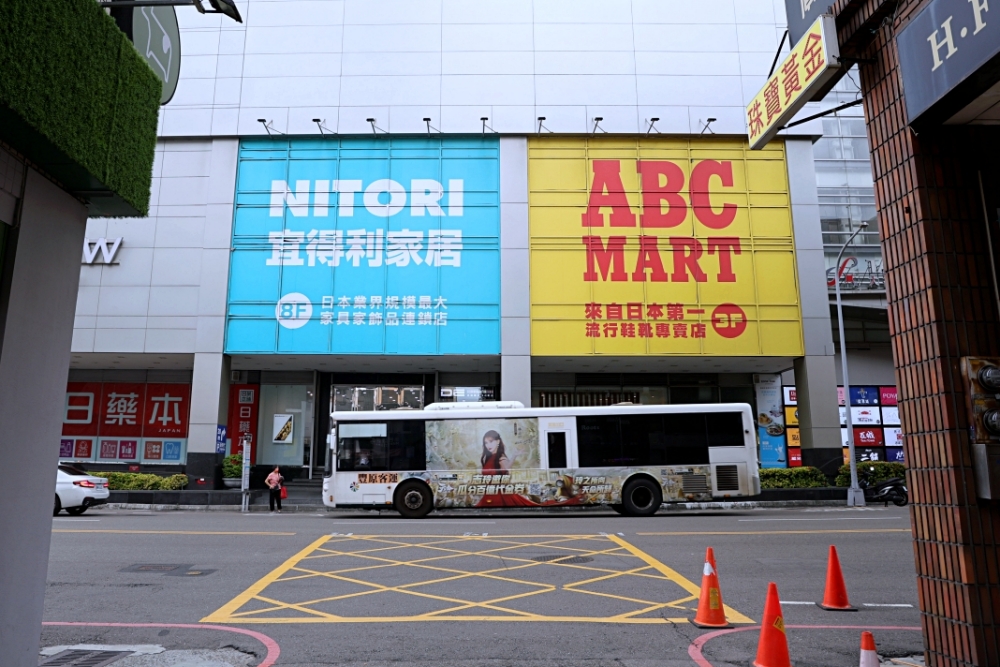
(78, 658)
(561, 560)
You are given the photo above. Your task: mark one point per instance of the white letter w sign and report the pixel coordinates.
(107, 247)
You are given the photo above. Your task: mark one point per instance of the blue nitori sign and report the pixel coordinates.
(366, 246)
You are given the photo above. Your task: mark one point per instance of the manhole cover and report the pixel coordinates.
(567, 560)
(78, 658)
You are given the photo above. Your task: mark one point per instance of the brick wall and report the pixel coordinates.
(942, 306)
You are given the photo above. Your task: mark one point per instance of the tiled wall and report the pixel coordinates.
(168, 293)
(941, 307)
(455, 61)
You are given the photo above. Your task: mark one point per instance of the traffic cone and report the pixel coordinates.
(710, 610)
(869, 658)
(835, 595)
(772, 648)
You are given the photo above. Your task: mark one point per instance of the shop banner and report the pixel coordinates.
(125, 422)
(868, 437)
(812, 62)
(791, 396)
(661, 246)
(893, 436)
(244, 400)
(864, 395)
(386, 245)
(864, 415)
(890, 416)
(888, 396)
(894, 455)
(770, 421)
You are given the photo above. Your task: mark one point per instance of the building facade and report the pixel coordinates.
(368, 206)
(929, 78)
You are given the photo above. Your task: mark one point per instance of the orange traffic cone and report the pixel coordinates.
(869, 658)
(835, 595)
(772, 648)
(710, 611)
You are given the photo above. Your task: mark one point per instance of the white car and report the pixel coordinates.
(76, 491)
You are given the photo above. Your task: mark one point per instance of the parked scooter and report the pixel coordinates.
(890, 491)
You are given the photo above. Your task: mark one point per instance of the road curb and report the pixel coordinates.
(300, 509)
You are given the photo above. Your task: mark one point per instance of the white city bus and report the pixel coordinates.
(485, 455)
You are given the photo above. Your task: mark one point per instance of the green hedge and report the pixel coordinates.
(232, 466)
(138, 481)
(805, 477)
(77, 98)
(883, 470)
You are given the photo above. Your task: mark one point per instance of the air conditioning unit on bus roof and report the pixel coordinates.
(477, 405)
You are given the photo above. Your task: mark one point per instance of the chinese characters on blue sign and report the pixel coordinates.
(366, 246)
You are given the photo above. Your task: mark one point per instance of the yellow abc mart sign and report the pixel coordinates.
(661, 246)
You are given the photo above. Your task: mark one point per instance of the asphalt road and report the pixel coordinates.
(581, 589)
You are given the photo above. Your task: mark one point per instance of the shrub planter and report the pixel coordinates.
(232, 482)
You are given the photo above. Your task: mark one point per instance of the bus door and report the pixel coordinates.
(557, 437)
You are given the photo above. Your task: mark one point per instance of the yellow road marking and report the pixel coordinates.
(782, 532)
(732, 615)
(249, 594)
(168, 532)
(303, 564)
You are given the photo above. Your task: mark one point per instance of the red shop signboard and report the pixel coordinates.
(244, 400)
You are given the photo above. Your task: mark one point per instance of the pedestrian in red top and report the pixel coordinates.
(274, 482)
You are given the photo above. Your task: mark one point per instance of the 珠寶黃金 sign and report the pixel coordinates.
(661, 246)
(811, 63)
(366, 246)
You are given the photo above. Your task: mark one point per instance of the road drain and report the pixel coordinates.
(563, 560)
(78, 658)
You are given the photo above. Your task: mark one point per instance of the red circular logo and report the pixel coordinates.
(729, 320)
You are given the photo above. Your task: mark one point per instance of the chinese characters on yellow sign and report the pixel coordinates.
(661, 246)
(812, 62)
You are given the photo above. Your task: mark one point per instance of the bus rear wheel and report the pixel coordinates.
(641, 497)
(414, 500)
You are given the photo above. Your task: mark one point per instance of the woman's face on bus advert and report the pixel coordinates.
(491, 444)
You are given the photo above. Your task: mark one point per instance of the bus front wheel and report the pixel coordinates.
(641, 497)
(414, 500)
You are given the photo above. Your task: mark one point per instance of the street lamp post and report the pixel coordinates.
(855, 495)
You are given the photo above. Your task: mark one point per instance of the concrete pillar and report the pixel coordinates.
(209, 408)
(515, 298)
(210, 382)
(34, 365)
(815, 374)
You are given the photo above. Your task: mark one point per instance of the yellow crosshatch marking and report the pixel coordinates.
(407, 578)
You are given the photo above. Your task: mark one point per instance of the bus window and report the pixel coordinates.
(362, 447)
(557, 449)
(407, 445)
(687, 439)
(725, 429)
(598, 441)
(643, 440)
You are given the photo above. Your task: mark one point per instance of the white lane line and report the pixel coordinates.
(840, 518)
(873, 604)
(76, 520)
(409, 521)
(795, 602)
